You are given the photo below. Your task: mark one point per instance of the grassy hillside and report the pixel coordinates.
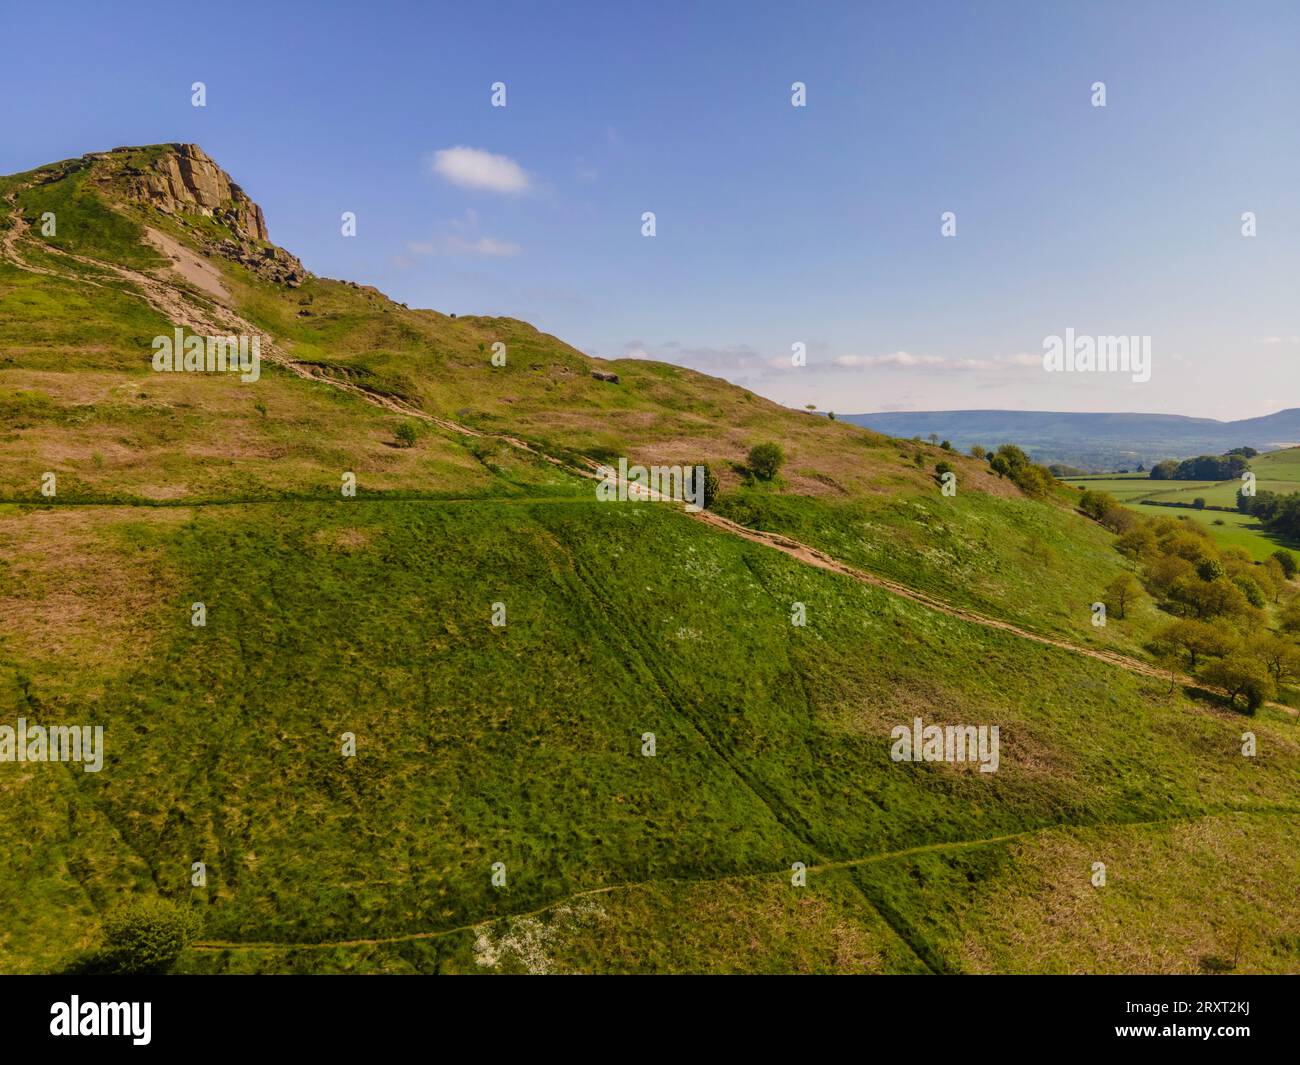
(523, 743)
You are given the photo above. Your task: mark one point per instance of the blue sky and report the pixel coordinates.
(775, 224)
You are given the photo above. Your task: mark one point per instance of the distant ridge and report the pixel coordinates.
(1090, 440)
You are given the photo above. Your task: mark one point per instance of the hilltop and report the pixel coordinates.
(524, 744)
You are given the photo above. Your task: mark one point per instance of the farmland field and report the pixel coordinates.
(1277, 471)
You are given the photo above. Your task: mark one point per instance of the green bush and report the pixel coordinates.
(765, 460)
(146, 935)
(405, 434)
(1209, 569)
(711, 485)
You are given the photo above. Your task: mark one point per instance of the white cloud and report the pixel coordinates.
(897, 358)
(908, 360)
(460, 237)
(473, 168)
(487, 246)
(483, 247)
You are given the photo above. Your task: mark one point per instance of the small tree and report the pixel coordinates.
(147, 935)
(405, 433)
(765, 460)
(1198, 640)
(1242, 678)
(1287, 561)
(1280, 657)
(1120, 593)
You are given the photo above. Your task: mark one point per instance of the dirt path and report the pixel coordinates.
(821, 867)
(181, 308)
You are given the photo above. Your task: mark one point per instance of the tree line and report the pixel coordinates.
(1235, 622)
(1225, 467)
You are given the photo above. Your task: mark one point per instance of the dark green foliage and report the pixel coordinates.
(145, 935)
(1201, 468)
(1209, 569)
(765, 460)
(711, 484)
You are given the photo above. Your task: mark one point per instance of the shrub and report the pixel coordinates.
(1032, 480)
(1096, 504)
(711, 485)
(765, 460)
(1287, 561)
(405, 433)
(1209, 570)
(1250, 589)
(146, 935)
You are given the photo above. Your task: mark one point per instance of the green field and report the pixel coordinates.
(1276, 471)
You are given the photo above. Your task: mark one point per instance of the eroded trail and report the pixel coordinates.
(205, 316)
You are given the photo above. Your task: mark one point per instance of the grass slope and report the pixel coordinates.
(522, 744)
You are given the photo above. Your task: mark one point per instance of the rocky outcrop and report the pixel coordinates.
(185, 179)
(602, 375)
(266, 260)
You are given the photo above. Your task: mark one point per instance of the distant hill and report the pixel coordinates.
(1090, 441)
